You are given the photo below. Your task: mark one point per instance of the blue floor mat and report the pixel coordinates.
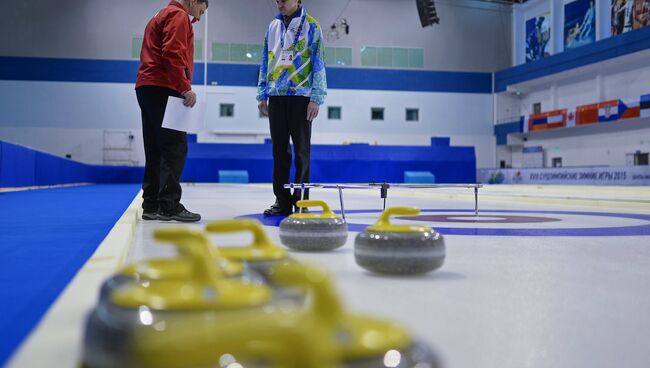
(46, 236)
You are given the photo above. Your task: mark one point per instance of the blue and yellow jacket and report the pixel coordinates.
(306, 75)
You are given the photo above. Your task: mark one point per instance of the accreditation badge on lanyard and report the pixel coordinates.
(287, 56)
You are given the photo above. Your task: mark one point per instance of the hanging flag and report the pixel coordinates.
(547, 120)
(645, 106)
(571, 118)
(556, 119)
(629, 108)
(608, 111)
(587, 114)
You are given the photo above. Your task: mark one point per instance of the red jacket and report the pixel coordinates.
(167, 56)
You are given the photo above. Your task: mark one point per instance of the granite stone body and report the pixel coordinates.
(415, 356)
(400, 253)
(313, 234)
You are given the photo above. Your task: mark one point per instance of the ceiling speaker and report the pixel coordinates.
(427, 12)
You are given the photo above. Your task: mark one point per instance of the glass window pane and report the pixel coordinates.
(377, 113)
(412, 114)
(254, 53)
(238, 52)
(220, 51)
(416, 58)
(343, 56)
(400, 58)
(198, 50)
(368, 56)
(330, 58)
(334, 113)
(136, 46)
(385, 56)
(226, 110)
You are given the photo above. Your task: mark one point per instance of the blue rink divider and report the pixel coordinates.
(336, 163)
(23, 167)
(46, 236)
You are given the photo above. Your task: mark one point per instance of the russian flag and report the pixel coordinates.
(629, 108)
(547, 120)
(587, 114)
(608, 111)
(645, 106)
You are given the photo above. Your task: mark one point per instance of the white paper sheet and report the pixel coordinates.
(183, 118)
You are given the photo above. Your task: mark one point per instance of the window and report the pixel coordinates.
(334, 113)
(557, 162)
(394, 57)
(537, 107)
(377, 113)
(236, 52)
(227, 110)
(412, 114)
(338, 56)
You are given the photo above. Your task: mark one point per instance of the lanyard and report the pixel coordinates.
(295, 40)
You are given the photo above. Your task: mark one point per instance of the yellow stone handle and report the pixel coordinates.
(383, 223)
(326, 304)
(260, 239)
(384, 219)
(194, 245)
(327, 212)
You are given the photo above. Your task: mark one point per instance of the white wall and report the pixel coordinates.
(471, 36)
(620, 78)
(594, 145)
(71, 118)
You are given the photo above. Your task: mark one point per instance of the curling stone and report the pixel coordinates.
(311, 231)
(177, 268)
(345, 334)
(320, 335)
(260, 256)
(114, 328)
(399, 249)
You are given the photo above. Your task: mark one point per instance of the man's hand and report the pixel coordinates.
(312, 111)
(263, 107)
(190, 98)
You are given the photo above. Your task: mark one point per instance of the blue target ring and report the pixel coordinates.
(637, 230)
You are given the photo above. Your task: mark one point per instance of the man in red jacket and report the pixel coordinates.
(166, 68)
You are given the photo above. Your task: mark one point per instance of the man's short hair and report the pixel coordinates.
(207, 4)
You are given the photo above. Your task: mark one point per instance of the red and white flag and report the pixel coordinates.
(571, 117)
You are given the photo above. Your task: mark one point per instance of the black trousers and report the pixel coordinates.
(288, 119)
(165, 152)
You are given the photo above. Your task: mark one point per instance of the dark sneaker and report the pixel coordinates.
(183, 216)
(150, 216)
(277, 210)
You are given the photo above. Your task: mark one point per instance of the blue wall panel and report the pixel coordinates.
(16, 166)
(125, 71)
(76, 70)
(501, 131)
(21, 167)
(334, 163)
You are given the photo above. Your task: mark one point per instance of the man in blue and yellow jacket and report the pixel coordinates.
(291, 87)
